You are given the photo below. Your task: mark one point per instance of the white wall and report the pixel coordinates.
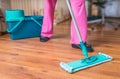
(112, 8)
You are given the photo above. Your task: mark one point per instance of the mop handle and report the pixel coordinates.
(74, 20)
(83, 47)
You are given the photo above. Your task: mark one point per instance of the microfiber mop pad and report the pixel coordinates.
(85, 63)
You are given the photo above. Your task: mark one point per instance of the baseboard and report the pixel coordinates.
(112, 17)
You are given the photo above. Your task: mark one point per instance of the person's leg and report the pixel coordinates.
(47, 27)
(79, 10)
(78, 7)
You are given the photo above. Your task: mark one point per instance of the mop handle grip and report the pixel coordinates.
(84, 50)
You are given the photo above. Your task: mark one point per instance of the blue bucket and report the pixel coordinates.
(14, 15)
(28, 27)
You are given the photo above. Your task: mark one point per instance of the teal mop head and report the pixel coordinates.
(85, 63)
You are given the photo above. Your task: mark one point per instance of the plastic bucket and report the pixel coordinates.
(14, 15)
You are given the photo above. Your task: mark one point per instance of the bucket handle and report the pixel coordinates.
(36, 21)
(8, 30)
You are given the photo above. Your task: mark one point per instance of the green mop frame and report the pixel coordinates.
(86, 61)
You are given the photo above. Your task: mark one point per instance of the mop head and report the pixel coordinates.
(85, 63)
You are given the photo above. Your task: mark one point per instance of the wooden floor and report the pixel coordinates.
(31, 59)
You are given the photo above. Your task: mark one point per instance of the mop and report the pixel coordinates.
(87, 61)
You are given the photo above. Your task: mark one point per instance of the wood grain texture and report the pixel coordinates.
(32, 59)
